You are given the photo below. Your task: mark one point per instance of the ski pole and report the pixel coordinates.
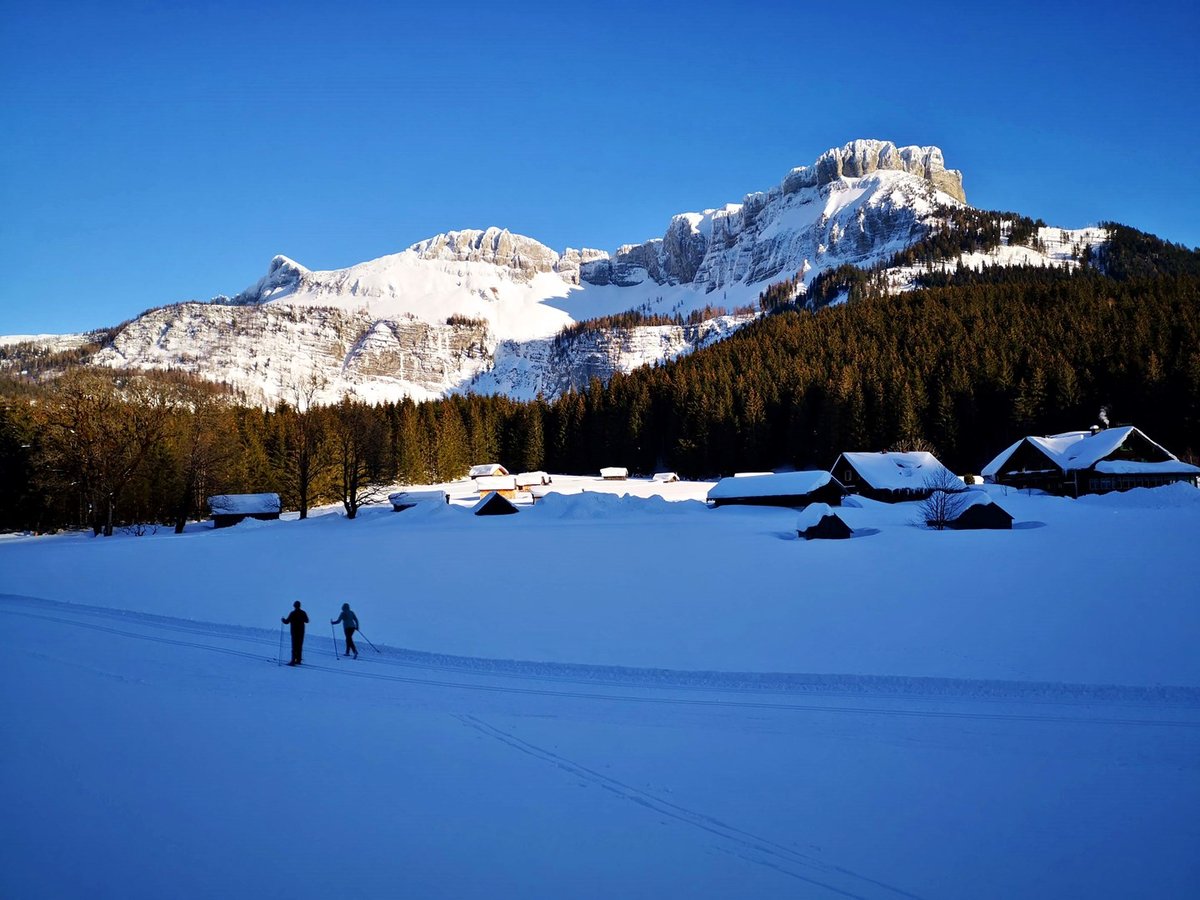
(367, 639)
(333, 634)
(279, 658)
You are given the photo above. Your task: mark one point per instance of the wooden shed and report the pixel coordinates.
(664, 477)
(820, 522)
(493, 504)
(486, 469)
(229, 509)
(527, 480)
(785, 489)
(980, 511)
(504, 485)
(614, 473)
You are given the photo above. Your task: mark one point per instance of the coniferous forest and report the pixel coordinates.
(962, 366)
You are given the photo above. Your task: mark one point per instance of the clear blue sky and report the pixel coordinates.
(160, 152)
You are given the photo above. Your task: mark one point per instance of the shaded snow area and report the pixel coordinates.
(617, 692)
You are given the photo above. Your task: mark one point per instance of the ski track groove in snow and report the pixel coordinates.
(246, 635)
(779, 856)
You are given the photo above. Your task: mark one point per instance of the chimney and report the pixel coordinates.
(1095, 429)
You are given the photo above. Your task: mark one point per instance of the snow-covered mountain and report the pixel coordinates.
(479, 310)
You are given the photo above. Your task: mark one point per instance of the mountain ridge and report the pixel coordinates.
(476, 309)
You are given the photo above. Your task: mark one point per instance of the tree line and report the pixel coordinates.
(963, 368)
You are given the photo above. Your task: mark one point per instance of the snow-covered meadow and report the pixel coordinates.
(616, 692)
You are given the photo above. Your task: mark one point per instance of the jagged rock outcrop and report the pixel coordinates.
(523, 256)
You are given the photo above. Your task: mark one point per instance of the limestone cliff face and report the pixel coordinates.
(267, 351)
(777, 232)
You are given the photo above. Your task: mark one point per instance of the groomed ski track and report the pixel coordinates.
(1168, 706)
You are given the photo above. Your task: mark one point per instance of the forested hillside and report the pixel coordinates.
(964, 368)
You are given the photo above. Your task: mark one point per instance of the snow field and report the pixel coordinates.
(610, 695)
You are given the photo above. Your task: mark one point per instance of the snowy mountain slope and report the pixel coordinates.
(476, 310)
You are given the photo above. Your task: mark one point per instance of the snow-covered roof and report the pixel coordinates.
(972, 498)
(751, 474)
(664, 477)
(770, 485)
(1126, 467)
(614, 472)
(486, 469)
(527, 478)
(496, 483)
(1074, 450)
(893, 471)
(426, 496)
(244, 504)
(812, 515)
(494, 503)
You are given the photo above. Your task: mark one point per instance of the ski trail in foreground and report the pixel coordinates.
(753, 848)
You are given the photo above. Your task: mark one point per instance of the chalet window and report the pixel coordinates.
(848, 475)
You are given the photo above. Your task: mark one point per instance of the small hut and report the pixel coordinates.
(504, 485)
(402, 500)
(526, 480)
(664, 477)
(487, 469)
(785, 489)
(980, 511)
(229, 509)
(493, 504)
(819, 522)
(614, 473)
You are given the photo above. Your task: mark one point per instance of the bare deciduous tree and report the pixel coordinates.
(358, 447)
(946, 499)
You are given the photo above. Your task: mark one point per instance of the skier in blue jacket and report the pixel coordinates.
(349, 624)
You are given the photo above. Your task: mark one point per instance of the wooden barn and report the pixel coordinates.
(487, 469)
(785, 489)
(504, 485)
(229, 509)
(494, 504)
(664, 478)
(614, 473)
(1089, 462)
(977, 511)
(402, 500)
(894, 477)
(526, 480)
(820, 522)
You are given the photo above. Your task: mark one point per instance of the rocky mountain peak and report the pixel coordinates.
(524, 256)
(862, 157)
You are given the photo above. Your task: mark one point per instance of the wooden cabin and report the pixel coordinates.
(820, 522)
(229, 509)
(487, 469)
(614, 473)
(785, 489)
(504, 485)
(664, 478)
(494, 504)
(402, 500)
(894, 477)
(526, 480)
(1089, 462)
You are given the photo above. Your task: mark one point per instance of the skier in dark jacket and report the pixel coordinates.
(297, 619)
(349, 624)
